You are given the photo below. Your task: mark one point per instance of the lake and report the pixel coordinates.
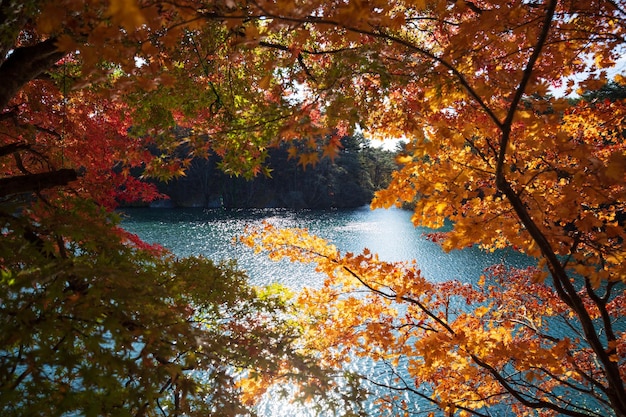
(390, 233)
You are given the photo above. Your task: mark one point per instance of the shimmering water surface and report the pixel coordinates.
(389, 233)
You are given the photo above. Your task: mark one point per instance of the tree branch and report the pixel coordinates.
(12, 148)
(530, 403)
(564, 287)
(36, 182)
(300, 58)
(24, 64)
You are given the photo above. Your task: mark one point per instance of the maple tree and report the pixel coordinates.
(94, 321)
(87, 86)
(508, 163)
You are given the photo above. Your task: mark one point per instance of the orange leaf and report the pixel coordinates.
(126, 13)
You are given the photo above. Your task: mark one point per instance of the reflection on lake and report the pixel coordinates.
(389, 233)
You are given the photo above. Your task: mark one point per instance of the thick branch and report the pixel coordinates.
(12, 148)
(300, 57)
(24, 64)
(604, 313)
(393, 296)
(36, 182)
(562, 283)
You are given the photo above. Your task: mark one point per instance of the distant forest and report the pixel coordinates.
(349, 180)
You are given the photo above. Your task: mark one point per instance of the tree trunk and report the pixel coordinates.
(24, 64)
(36, 182)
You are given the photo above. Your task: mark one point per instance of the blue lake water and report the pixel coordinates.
(389, 233)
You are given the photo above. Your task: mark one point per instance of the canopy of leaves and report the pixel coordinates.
(88, 86)
(94, 321)
(94, 324)
(468, 84)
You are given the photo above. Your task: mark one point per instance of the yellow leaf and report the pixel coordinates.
(330, 152)
(292, 152)
(403, 159)
(481, 311)
(481, 281)
(441, 207)
(126, 13)
(264, 83)
(309, 158)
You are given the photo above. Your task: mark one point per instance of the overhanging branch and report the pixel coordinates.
(12, 148)
(24, 64)
(562, 283)
(36, 182)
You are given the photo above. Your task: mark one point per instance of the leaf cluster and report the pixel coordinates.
(508, 342)
(93, 323)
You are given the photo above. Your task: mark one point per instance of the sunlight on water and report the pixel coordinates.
(389, 233)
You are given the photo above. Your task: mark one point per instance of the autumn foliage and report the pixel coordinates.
(511, 165)
(508, 343)
(94, 321)
(98, 95)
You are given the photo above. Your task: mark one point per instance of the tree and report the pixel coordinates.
(348, 180)
(94, 321)
(511, 166)
(94, 324)
(465, 82)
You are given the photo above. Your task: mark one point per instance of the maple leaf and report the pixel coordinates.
(309, 158)
(331, 151)
(126, 12)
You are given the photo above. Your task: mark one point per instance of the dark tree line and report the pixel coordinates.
(349, 180)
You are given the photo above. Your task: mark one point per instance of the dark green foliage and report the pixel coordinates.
(95, 323)
(611, 91)
(349, 180)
